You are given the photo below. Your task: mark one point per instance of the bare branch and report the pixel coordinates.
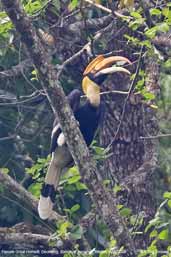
(105, 9)
(22, 195)
(23, 236)
(16, 70)
(94, 23)
(86, 48)
(71, 28)
(25, 239)
(157, 136)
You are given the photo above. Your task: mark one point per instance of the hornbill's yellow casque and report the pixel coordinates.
(88, 116)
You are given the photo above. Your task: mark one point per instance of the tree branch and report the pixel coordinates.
(16, 70)
(23, 195)
(72, 28)
(102, 198)
(28, 240)
(23, 236)
(105, 9)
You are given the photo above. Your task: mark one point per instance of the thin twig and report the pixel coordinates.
(23, 101)
(86, 47)
(99, 6)
(157, 136)
(105, 9)
(115, 92)
(16, 70)
(111, 92)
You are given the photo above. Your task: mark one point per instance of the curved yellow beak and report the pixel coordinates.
(93, 64)
(100, 66)
(100, 62)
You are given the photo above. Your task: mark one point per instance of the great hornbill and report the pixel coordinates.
(88, 115)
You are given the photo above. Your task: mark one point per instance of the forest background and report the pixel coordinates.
(131, 149)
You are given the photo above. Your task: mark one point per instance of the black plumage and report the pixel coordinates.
(88, 117)
(74, 102)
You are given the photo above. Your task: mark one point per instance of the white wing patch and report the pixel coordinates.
(61, 139)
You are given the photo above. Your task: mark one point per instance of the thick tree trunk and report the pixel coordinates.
(133, 160)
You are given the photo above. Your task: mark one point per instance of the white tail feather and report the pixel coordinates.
(45, 207)
(60, 159)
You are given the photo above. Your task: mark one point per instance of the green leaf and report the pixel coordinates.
(167, 195)
(5, 23)
(136, 15)
(57, 4)
(168, 16)
(35, 189)
(71, 172)
(32, 7)
(155, 11)
(69, 189)
(125, 212)
(146, 43)
(5, 170)
(167, 64)
(154, 233)
(105, 253)
(74, 179)
(134, 40)
(162, 225)
(119, 206)
(117, 188)
(153, 222)
(73, 5)
(163, 27)
(106, 182)
(75, 208)
(134, 25)
(63, 228)
(152, 249)
(151, 33)
(169, 203)
(163, 235)
(99, 150)
(81, 186)
(112, 243)
(140, 85)
(76, 232)
(169, 249)
(153, 106)
(165, 12)
(147, 95)
(42, 160)
(137, 220)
